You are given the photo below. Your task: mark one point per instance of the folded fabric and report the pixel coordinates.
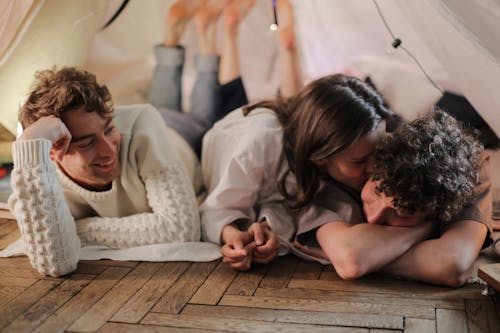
(188, 251)
(287, 247)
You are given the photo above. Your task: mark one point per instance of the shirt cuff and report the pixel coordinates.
(31, 152)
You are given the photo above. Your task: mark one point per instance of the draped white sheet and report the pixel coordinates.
(455, 41)
(13, 18)
(59, 34)
(464, 37)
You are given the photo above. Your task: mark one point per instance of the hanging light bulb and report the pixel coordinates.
(274, 25)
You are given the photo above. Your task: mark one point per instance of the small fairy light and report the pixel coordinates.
(274, 26)
(397, 43)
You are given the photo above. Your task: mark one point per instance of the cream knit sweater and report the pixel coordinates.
(152, 201)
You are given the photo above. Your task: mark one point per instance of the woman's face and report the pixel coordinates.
(353, 165)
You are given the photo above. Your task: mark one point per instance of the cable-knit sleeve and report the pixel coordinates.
(175, 216)
(43, 217)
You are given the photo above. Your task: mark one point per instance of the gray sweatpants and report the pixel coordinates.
(209, 100)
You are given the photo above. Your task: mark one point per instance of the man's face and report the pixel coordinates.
(92, 157)
(379, 209)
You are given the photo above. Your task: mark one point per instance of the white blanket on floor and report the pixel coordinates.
(189, 251)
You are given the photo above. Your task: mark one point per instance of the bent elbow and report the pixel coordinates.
(65, 264)
(455, 281)
(349, 265)
(456, 273)
(349, 272)
(57, 264)
(58, 271)
(458, 277)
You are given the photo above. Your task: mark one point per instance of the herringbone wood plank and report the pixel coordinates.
(288, 295)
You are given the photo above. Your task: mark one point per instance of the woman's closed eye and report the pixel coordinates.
(360, 162)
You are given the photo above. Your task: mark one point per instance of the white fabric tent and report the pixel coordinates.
(455, 41)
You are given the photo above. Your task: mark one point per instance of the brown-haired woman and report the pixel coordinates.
(267, 163)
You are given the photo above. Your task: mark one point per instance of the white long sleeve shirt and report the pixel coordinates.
(241, 163)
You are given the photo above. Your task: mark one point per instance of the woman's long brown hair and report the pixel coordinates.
(325, 117)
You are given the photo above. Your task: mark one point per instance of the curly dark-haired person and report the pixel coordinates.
(431, 175)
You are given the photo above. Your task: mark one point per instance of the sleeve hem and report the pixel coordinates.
(26, 152)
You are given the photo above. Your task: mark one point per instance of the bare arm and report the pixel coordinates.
(290, 78)
(447, 260)
(356, 250)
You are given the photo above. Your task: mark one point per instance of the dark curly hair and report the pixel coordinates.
(54, 92)
(430, 164)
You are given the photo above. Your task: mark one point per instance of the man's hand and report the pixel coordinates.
(50, 128)
(267, 243)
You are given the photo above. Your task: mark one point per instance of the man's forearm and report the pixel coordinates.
(356, 250)
(447, 260)
(423, 262)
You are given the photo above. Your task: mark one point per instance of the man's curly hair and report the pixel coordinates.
(431, 164)
(54, 92)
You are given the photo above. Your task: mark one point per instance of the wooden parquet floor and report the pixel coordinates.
(289, 295)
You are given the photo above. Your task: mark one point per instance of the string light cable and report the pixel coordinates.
(398, 43)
